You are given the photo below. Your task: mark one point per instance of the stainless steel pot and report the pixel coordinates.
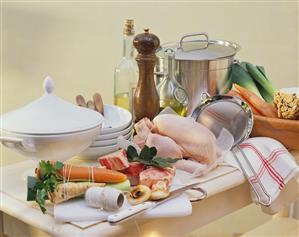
(202, 65)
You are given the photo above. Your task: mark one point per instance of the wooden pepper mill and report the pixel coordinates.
(146, 98)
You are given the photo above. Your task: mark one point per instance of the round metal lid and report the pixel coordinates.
(220, 111)
(50, 115)
(202, 49)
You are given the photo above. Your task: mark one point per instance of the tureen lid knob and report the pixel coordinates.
(48, 84)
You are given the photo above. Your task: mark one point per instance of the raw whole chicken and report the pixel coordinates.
(176, 137)
(197, 141)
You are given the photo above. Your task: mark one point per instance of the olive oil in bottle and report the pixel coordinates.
(126, 72)
(171, 93)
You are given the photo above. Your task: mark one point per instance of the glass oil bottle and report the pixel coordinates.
(126, 72)
(171, 93)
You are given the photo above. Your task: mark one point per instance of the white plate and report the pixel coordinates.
(95, 152)
(110, 141)
(118, 118)
(109, 136)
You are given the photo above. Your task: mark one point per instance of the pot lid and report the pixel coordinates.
(50, 114)
(202, 49)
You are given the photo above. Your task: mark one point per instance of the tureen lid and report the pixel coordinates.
(50, 114)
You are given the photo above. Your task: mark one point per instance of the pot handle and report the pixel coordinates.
(194, 34)
(13, 142)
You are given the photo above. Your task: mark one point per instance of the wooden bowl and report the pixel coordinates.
(283, 130)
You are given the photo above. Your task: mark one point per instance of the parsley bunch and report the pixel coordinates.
(38, 188)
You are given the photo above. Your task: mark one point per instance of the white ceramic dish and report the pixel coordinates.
(117, 117)
(50, 127)
(110, 141)
(51, 147)
(109, 136)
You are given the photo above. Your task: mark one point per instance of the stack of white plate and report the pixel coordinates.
(118, 122)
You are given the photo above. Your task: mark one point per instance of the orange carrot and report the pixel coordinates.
(236, 94)
(89, 173)
(263, 107)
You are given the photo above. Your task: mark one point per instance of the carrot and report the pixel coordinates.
(89, 173)
(263, 107)
(236, 94)
(100, 175)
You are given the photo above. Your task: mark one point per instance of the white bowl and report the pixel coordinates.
(54, 147)
(109, 142)
(118, 118)
(95, 152)
(109, 136)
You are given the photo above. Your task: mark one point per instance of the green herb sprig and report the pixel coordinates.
(147, 157)
(39, 187)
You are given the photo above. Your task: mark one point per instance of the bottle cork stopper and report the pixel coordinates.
(129, 27)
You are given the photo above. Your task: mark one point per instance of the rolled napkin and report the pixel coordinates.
(268, 167)
(109, 199)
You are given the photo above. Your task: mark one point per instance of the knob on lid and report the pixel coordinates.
(146, 43)
(48, 115)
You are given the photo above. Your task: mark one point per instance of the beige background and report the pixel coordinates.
(79, 44)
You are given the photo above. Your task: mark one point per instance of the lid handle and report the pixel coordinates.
(194, 34)
(48, 85)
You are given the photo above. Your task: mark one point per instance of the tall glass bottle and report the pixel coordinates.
(126, 72)
(171, 93)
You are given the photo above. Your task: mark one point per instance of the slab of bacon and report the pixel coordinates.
(115, 161)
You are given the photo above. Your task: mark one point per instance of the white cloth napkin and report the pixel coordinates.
(272, 163)
(76, 210)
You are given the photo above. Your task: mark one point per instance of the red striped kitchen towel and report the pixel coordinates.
(269, 166)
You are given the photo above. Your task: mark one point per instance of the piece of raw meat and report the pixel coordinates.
(197, 141)
(133, 172)
(152, 175)
(115, 161)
